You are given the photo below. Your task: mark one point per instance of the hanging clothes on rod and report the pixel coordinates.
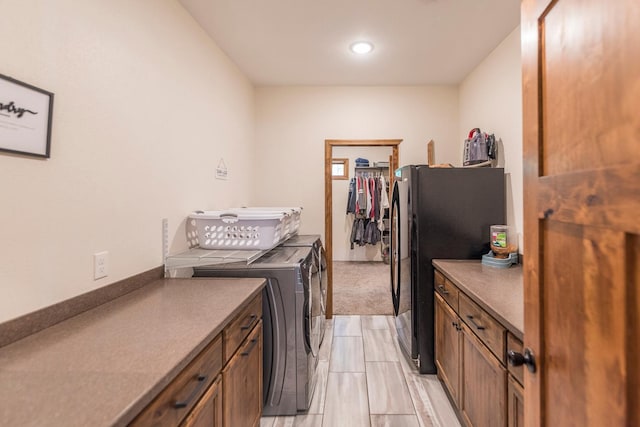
(353, 194)
(366, 201)
(384, 199)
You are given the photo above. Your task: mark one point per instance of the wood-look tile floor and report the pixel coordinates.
(365, 380)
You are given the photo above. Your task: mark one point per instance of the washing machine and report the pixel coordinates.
(313, 241)
(291, 312)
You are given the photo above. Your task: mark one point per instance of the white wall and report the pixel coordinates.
(292, 124)
(342, 223)
(145, 106)
(491, 99)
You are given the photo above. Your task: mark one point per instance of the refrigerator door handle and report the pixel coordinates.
(395, 249)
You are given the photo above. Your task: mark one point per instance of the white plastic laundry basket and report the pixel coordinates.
(292, 221)
(236, 229)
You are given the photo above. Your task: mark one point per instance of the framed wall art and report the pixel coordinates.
(25, 118)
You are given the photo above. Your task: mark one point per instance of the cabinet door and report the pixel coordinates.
(448, 347)
(515, 400)
(484, 385)
(208, 410)
(242, 383)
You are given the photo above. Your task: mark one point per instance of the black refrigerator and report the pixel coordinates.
(436, 213)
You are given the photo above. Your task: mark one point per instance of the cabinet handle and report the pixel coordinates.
(201, 382)
(443, 290)
(456, 325)
(473, 322)
(248, 351)
(252, 320)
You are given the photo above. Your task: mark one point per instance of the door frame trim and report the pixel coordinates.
(328, 195)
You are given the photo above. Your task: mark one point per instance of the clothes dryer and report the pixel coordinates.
(319, 288)
(290, 330)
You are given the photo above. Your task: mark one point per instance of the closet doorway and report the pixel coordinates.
(328, 185)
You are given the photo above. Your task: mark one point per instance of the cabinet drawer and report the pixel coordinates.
(446, 289)
(179, 397)
(515, 344)
(241, 326)
(484, 326)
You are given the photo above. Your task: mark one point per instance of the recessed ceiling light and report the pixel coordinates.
(361, 47)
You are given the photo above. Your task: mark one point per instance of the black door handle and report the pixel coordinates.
(519, 359)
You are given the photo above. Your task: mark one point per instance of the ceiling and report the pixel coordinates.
(306, 42)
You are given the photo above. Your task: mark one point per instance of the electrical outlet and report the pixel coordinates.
(100, 265)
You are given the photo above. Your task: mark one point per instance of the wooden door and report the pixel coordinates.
(581, 94)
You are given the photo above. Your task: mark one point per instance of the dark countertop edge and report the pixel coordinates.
(478, 299)
(130, 412)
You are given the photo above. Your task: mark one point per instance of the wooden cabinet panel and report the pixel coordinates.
(515, 344)
(448, 347)
(241, 326)
(484, 384)
(181, 395)
(446, 289)
(471, 348)
(484, 326)
(515, 401)
(208, 411)
(242, 383)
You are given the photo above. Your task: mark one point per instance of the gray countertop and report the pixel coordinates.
(104, 366)
(497, 290)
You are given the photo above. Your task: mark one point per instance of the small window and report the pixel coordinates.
(340, 168)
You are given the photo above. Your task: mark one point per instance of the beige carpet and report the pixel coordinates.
(361, 288)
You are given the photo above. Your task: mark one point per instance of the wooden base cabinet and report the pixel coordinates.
(471, 349)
